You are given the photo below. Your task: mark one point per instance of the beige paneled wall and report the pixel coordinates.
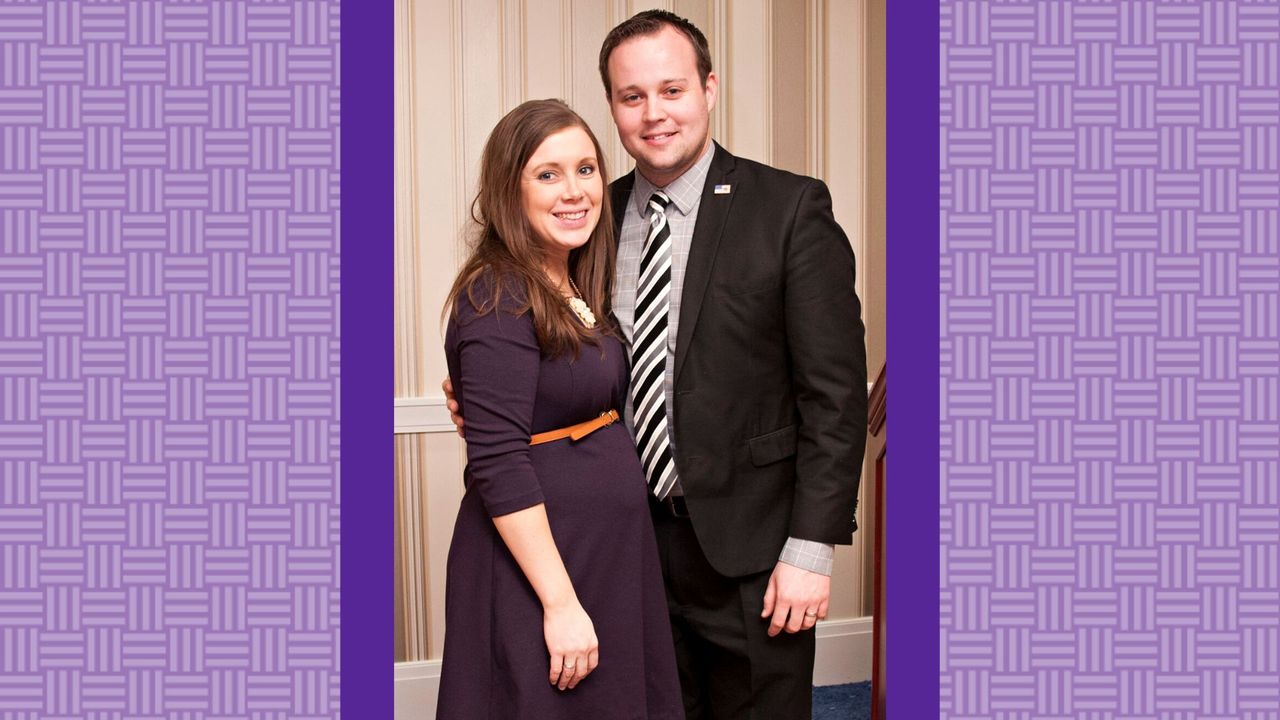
(873, 217)
(788, 127)
(412, 515)
(793, 80)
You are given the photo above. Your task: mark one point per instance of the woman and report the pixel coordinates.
(554, 602)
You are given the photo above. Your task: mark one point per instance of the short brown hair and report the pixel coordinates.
(651, 22)
(505, 249)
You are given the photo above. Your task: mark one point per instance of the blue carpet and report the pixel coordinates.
(842, 702)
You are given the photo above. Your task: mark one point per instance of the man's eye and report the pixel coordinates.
(673, 91)
(630, 98)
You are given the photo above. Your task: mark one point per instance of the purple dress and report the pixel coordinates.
(495, 663)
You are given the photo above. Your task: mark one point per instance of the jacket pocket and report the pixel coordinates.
(746, 286)
(773, 446)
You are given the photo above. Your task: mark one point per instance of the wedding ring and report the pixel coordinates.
(811, 614)
(570, 667)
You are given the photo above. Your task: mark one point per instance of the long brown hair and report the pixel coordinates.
(505, 250)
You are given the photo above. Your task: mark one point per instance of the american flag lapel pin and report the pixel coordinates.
(722, 190)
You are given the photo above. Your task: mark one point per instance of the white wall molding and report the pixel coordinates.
(843, 656)
(429, 414)
(422, 415)
(844, 651)
(417, 685)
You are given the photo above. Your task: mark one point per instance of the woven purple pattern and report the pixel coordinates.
(169, 360)
(1110, 390)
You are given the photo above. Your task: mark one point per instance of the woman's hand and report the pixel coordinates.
(571, 641)
(566, 627)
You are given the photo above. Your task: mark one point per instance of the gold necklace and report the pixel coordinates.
(579, 307)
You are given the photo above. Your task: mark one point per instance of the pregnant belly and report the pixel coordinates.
(597, 505)
(593, 477)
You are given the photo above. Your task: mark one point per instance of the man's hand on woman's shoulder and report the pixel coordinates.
(451, 402)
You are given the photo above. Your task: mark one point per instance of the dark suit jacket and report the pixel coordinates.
(770, 414)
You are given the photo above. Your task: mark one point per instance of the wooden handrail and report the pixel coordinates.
(877, 444)
(875, 403)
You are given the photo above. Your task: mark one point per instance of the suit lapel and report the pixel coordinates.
(620, 191)
(713, 210)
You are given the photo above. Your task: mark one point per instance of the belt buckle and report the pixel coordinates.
(677, 506)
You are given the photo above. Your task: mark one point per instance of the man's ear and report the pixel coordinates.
(711, 90)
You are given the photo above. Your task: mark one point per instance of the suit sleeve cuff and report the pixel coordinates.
(809, 555)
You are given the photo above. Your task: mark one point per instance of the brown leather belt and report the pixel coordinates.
(576, 432)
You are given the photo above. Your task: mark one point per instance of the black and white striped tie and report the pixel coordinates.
(649, 351)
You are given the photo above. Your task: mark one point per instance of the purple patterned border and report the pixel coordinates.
(169, 292)
(1110, 379)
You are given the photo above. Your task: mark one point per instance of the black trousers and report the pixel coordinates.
(730, 669)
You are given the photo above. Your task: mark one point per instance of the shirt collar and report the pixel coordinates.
(685, 191)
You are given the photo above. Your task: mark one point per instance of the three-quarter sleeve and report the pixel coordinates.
(498, 360)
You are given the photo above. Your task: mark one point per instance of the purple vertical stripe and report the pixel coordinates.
(912, 231)
(367, 445)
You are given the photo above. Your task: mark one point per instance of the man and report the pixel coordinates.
(735, 294)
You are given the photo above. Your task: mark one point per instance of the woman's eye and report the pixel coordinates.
(546, 175)
(586, 170)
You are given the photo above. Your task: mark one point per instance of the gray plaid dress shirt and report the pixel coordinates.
(682, 215)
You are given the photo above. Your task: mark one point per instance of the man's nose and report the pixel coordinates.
(653, 110)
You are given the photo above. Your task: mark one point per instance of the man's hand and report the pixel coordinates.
(455, 411)
(797, 599)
